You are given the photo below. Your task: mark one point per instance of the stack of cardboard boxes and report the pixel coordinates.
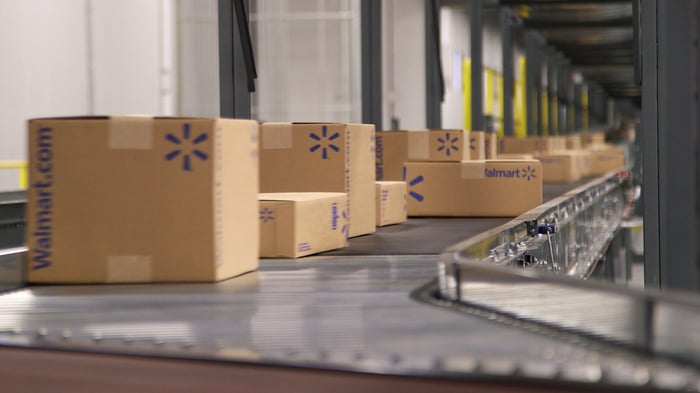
(566, 159)
(453, 173)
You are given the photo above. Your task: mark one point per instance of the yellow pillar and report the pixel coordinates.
(21, 166)
(467, 92)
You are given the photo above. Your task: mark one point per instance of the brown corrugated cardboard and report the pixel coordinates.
(516, 157)
(491, 143)
(560, 167)
(605, 159)
(137, 199)
(293, 225)
(592, 138)
(584, 160)
(392, 153)
(573, 142)
(473, 188)
(531, 144)
(318, 157)
(438, 145)
(391, 202)
(477, 145)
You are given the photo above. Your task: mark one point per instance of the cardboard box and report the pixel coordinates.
(491, 143)
(477, 145)
(606, 159)
(293, 225)
(391, 153)
(439, 145)
(592, 138)
(573, 142)
(584, 157)
(516, 157)
(391, 202)
(317, 157)
(473, 188)
(560, 167)
(138, 199)
(531, 144)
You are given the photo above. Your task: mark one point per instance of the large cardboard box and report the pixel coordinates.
(317, 157)
(491, 145)
(605, 159)
(137, 199)
(531, 144)
(497, 188)
(391, 153)
(573, 142)
(391, 202)
(560, 167)
(516, 157)
(293, 225)
(584, 158)
(439, 145)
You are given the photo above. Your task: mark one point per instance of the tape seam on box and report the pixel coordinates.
(419, 145)
(129, 268)
(473, 170)
(276, 135)
(133, 133)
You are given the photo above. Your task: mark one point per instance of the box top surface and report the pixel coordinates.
(298, 196)
(389, 182)
(134, 116)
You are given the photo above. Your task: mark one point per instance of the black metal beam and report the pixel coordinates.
(477, 75)
(434, 83)
(236, 66)
(371, 27)
(567, 2)
(530, 93)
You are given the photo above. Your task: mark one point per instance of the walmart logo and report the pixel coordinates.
(266, 215)
(325, 142)
(187, 149)
(528, 173)
(416, 180)
(448, 144)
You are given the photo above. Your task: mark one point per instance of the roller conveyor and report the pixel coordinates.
(349, 310)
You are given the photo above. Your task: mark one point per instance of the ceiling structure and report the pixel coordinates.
(596, 36)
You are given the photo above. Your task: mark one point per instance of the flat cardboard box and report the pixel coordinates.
(391, 153)
(560, 167)
(605, 159)
(294, 225)
(494, 188)
(531, 144)
(141, 199)
(573, 142)
(391, 202)
(439, 145)
(322, 157)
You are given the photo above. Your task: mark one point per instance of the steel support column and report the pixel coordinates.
(236, 64)
(434, 83)
(508, 75)
(371, 24)
(476, 35)
(530, 92)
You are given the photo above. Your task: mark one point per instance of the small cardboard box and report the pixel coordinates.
(391, 153)
(391, 202)
(605, 159)
(439, 145)
(530, 144)
(318, 157)
(516, 157)
(573, 142)
(293, 225)
(592, 138)
(560, 167)
(473, 188)
(477, 145)
(491, 143)
(139, 199)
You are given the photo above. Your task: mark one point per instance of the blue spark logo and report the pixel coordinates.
(325, 142)
(184, 144)
(266, 215)
(345, 229)
(471, 143)
(416, 180)
(540, 145)
(448, 144)
(528, 173)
